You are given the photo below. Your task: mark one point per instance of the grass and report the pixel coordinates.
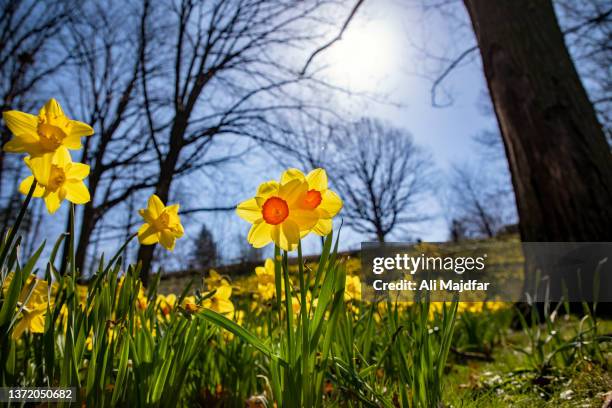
(503, 382)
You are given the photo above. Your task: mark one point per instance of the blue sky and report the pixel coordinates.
(387, 29)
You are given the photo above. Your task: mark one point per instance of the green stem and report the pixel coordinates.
(288, 308)
(278, 282)
(304, 329)
(22, 211)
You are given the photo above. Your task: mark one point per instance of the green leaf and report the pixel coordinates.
(227, 324)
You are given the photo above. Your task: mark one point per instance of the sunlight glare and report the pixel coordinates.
(364, 57)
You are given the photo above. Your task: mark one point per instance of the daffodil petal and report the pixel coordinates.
(52, 108)
(292, 174)
(331, 203)
(53, 202)
(292, 191)
(21, 123)
(317, 180)
(224, 292)
(144, 213)
(41, 167)
(26, 184)
(61, 157)
(225, 307)
(79, 129)
(167, 240)
(249, 210)
(147, 235)
(77, 171)
(173, 209)
(290, 233)
(19, 328)
(72, 142)
(267, 189)
(269, 265)
(76, 192)
(155, 206)
(260, 234)
(24, 143)
(178, 230)
(305, 219)
(37, 323)
(323, 227)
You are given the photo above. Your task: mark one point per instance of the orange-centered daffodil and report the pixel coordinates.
(58, 178)
(319, 198)
(46, 133)
(162, 224)
(277, 214)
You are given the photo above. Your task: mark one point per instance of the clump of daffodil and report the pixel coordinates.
(319, 198)
(58, 178)
(162, 224)
(265, 280)
(44, 135)
(277, 215)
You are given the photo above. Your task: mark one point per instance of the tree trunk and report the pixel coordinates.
(558, 156)
(162, 189)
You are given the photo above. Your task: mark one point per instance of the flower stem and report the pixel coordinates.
(11, 237)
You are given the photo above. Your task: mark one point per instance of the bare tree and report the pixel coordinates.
(107, 45)
(587, 29)
(479, 202)
(383, 177)
(226, 66)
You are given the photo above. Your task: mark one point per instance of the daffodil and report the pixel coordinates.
(49, 132)
(32, 319)
(277, 214)
(141, 300)
(220, 302)
(166, 303)
(190, 304)
(352, 290)
(58, 179)
(162, 224)
(325, 202)
(266, 287)
(215, 279)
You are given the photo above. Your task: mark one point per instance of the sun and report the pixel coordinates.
(364, 56)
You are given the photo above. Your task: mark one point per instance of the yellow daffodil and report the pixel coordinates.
(32, 319)
(162, 224)
(58, 179)
(220, 302)
(166, 303)
(190, 304)
(352, 290)
(277, 215)
(141, 301)
(35, 291)
(45, 134)
(266, 287)
(319, 197)
(215, 279)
